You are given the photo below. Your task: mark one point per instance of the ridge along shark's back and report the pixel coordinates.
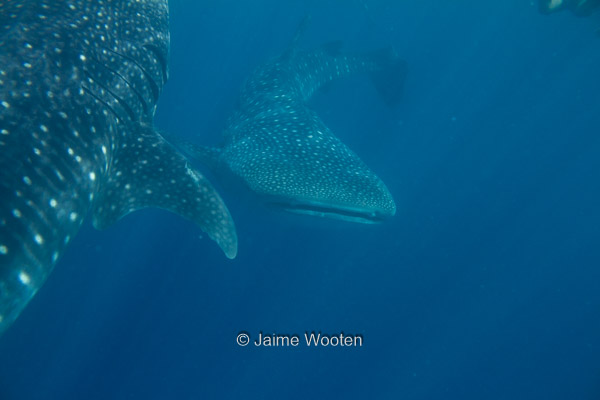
(283, 151)
(79, 83)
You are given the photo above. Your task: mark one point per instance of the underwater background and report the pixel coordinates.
(486, 283)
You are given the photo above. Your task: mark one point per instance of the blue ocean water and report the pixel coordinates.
(486, 283)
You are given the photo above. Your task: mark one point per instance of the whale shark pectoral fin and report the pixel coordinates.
(390, 76)
(149, 172)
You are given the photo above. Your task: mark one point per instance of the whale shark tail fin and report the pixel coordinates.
(390, 75)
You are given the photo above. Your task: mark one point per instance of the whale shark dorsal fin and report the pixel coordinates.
(293, 45)
(302, 26)
(149, 172)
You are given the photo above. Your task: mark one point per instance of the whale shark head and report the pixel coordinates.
(293, 161)
(280, 148)
(79, 84)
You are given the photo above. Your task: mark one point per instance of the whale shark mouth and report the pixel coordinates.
(333, 211)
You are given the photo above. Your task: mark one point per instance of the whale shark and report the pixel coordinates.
(280, 148)
(79, 85)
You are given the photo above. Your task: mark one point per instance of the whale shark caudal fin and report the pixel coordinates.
(149, 172)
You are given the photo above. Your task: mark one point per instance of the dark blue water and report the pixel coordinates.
(485, 285)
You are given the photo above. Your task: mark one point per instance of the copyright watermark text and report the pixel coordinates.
(307, 339)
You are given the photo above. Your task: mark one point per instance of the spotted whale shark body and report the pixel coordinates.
(280, 148)
(79, 83)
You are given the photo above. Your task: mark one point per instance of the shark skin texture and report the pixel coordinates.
(280, 149)
(79, 85)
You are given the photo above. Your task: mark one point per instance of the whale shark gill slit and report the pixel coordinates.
(130, 113)
(90, 93)
(130, 86)
(79, 83)
(161, 59)
(149, 79)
